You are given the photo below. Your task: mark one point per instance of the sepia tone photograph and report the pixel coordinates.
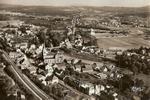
(74, 49)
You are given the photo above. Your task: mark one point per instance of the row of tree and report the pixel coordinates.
(135, 62)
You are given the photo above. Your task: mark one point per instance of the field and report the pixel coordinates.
(122, 42)
(11, 22)
(45, 16)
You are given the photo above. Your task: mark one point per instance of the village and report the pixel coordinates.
(84, 55)
(53, 67)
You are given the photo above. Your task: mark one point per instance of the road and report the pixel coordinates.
(38, 93)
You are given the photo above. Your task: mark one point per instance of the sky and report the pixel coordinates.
(121, 3)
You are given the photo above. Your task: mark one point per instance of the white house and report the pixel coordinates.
(23, 45)
(49, 58)
(92, 32)
(55, 80)
(13, 55)
(59, 57)
(68, 43)
(39, 50)
(32, 70)
(41, 77)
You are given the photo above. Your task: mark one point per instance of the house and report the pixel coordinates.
(115, 96)
(55, 80)
(102, 75)
(49, 58)
(19, 33)
(12, 92)
(32, 70)
(23, 62)
(111, 67)
(55, 66)
(39, 50)
(23, 97)
(59, 57)
(92, 32)
(41, 77)
(88, 86)
(119, 52)
(14, 55)
(88, 68)
(17, 45)
(69, 31)
(68, 44)
(44, 82)
(2, 65)
(29, 32)
(32, 47)
(78, 42)
(104, 69)
(93, 89)
(114, 22)
(98, 89)
(112, 75)
(80, 67)
(62, 44)
(23, 45)
(8, 36)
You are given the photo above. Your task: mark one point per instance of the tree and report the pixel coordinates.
(22, 29)
(41, 36)
(5, 85)
(125, 83)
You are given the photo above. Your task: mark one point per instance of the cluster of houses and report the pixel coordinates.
(50, 59)
(89, 88)
(107, 71)
(120, 21)
(74, 40)
(18, 35)
(24, 54)
(112, 22)
(142, 54)
(31, 56)
(91, 50)
(100, 72)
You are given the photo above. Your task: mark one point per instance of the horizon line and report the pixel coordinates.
(72, 5)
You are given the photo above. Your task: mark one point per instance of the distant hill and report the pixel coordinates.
(52, 10)
(123, 10)
(36, 10)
